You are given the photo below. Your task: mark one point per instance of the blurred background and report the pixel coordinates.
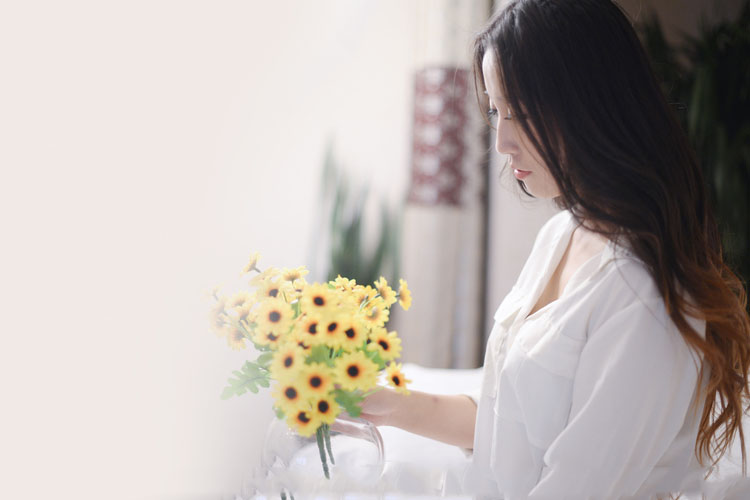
(147, 148)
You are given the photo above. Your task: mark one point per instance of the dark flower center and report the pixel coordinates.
(383, 344)
(312, 329)
(318, 301)
(323, 406)
(315, 381)
(396, 380)
(332, 326)
(271, 337)
(275, 316)
(290, 393)
(353, 370)
(350, 333)
(288, 361)
(273, 292)
(302, 417)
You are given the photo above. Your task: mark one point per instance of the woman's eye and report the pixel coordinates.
(491, 112)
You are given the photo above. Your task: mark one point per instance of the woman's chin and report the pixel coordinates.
(536, 192)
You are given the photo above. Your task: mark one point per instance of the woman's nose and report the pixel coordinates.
(506, 138)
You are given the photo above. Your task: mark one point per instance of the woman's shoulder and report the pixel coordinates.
(554, 227)
(626, 287)
(544, 244)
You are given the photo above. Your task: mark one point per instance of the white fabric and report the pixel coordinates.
(589, 396)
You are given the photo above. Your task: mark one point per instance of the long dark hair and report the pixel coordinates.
(578, 81)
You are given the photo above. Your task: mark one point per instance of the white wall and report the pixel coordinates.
(147, 147)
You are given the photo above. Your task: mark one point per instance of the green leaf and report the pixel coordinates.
(227, 393)
(374, 355)
(264, 358)
(279, 413)
(320, 354)
(248, 378)
(349, 401)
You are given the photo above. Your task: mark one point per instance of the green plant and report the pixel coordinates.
(708, 78)
(349, 253)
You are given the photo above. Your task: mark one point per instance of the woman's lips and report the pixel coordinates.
(521, 174)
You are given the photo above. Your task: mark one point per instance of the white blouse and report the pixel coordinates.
(588, 397)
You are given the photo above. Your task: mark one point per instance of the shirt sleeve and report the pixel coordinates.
(632, 390)
(474, 396)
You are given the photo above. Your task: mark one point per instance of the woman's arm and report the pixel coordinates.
(446, 418)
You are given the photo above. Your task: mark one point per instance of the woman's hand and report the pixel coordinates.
(447, 418)
(381, 407)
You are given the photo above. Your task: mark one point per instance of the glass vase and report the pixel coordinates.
(294, 464)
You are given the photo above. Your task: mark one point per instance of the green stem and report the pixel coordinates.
(321, 449)
(377, 389)
(367, 302)
(327, 436)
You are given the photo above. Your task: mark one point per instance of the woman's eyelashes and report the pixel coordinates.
(492, 113)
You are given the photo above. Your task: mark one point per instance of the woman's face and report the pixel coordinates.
(511, 140)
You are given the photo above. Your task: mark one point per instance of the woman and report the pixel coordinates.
(618, 363)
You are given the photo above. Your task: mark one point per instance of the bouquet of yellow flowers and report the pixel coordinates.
(322, 345)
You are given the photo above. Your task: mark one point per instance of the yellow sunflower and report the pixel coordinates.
(297, 337)
(235, 338)
(404, 295)
(331, 330)
(299, 284)
(355, 371)
(316, 378)
(271, 338)
(287, 362)
(252, 265)
(326, 409)
(376, 313)
(239, 299)
(289, 395)
(217, 317)
(362, 294)
(385, 291)
(344, 284)
(292, 274)
(396, 378)
(243, 313)
(316, 298)
(354, 334)
(304, 421)
(293, 289)
(308, 329)
(272, 289)
(240, 305)
(387, 344)
(270, 274)
(273, 320)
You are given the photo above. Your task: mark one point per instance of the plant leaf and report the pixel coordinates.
(320, 354)
(264, 358)
(349, 401)
(248, 378)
